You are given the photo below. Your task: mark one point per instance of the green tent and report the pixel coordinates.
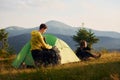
(66, 53)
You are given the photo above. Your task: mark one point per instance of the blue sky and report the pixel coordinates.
(95, 14)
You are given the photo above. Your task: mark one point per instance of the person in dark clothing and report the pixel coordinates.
(84, 52)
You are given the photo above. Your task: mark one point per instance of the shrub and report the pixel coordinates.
(3, 53)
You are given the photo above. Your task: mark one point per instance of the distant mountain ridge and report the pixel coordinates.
(56, 27)
(14, 28)
(19, 36)
(15, 31)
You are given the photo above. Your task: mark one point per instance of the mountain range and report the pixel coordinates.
(18, 36)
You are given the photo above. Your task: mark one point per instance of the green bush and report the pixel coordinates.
(3, 53)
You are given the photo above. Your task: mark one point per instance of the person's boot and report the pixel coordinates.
(98, 56)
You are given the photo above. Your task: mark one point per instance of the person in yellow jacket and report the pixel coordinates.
(42, 53)
(37, 40)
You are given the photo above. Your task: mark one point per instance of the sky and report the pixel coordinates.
(101, 15)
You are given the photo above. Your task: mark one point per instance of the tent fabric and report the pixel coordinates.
(66, 53)
(50, 39)
(24, 56)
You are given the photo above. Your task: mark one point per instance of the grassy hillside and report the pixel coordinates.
(105, 68)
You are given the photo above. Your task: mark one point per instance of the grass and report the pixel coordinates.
(105, 68)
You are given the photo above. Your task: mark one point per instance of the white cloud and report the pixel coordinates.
(23, 5)
(94, 13)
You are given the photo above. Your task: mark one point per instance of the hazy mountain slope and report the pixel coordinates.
(15, 31)
(108, 43)
(107, 33)
(105, 42)
(17, 42)
(19, 36)
(56, 27)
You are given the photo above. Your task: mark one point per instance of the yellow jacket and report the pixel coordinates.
(37, 41)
